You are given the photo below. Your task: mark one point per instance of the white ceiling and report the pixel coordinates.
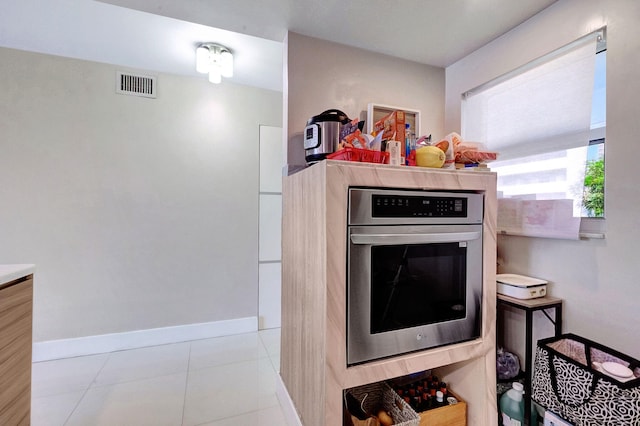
(161, 35)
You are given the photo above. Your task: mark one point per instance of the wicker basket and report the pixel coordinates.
(376, 396)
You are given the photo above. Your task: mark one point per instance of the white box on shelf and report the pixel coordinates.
(522, 292)
(520, 286)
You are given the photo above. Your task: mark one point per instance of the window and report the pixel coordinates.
(547, 121)
(593, 197)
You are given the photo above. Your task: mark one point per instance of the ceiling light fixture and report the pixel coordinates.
(214, 59)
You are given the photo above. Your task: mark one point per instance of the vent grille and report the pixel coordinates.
(136, 85)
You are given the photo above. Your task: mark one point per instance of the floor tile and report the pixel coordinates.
(143, 363)
(225, 350)
(229, 390)
(54, 410)
(271, 416)
(271, 339)
(153, 402)
(64, 376)
(275, 361)
(228, 380)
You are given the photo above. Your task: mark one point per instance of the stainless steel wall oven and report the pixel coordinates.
(414, 271)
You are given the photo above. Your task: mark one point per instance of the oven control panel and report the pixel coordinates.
(381, 206)
(397, 206)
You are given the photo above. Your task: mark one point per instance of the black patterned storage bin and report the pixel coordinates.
(568, 380)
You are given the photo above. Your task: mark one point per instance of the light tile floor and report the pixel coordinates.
(221, 381)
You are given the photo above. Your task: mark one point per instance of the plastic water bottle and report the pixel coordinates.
(409, 142)
(512, 406)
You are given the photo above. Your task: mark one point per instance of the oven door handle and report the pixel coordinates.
(389, 239)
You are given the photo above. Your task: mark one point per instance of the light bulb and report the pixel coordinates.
(226, 64)
(202, 59)
(214, 75)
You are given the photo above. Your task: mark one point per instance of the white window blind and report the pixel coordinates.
(538, 119)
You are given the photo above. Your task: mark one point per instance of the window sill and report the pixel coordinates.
(590, 229)
(591, 236)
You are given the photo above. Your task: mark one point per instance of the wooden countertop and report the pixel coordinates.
(538, 302)
(9, 273)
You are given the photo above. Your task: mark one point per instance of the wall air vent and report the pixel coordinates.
(135, 84)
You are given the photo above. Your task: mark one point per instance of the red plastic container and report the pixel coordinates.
(359, 154)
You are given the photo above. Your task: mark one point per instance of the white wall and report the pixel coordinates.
(323, 75)
(139, 213)
(597, 279)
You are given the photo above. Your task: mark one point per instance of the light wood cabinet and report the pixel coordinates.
(16, 301)
(313, 343)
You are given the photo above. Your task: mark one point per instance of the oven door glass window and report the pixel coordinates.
(417, 284)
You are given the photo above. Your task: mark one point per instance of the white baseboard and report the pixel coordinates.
(91, 345)
(288, 409)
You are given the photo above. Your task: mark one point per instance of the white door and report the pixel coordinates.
(269, 227)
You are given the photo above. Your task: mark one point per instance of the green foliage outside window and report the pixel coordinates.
(593, 199)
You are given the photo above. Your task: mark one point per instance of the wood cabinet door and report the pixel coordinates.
(16, 301)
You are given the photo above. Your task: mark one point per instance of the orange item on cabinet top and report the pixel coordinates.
(392, 127)
(466, 152)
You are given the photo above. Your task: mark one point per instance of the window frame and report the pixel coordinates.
(595, 227)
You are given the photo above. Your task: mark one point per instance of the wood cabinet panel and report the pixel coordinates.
(16, 301)
(304, 294)
(313, 344)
